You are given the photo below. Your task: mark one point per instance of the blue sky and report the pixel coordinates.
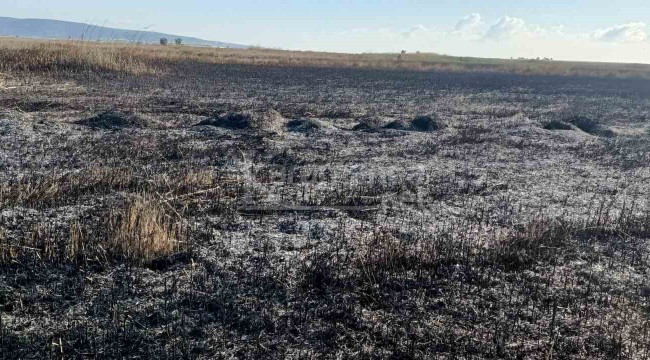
(572, 29)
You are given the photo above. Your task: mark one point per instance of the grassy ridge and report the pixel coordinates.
(67, 56)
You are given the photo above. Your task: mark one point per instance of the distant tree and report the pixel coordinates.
(178, 41)
(163, 41)
(403, 52)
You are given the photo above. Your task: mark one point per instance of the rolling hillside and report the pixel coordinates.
(56, 29)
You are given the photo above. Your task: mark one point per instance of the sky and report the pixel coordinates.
(596, 30)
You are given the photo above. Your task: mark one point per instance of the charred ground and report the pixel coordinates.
(256, 211)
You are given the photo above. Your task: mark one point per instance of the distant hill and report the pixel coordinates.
(56, 29)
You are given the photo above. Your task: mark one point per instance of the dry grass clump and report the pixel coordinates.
(186, 184)
(3, 80)
(49, 189)
(33, 191)
(197, 179)
(139, 232)
(46, 244)
(541, 241)
(143, 230)
(6, 251)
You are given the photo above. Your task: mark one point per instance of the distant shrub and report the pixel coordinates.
(164, 41)
(178, 41)
(557, 125)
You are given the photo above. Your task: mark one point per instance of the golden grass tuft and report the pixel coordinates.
(198, 179)
(139, 231)
(143, 231)
(76, 244)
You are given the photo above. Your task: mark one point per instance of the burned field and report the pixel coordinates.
(220, 211)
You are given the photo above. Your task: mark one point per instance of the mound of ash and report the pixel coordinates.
(557, 125)
(367, 124)
(425, 123)
(115, 120)
(304, 125)
(268, 121)
(397, 125)
(234, 121)
(419, 123)
(590, 126)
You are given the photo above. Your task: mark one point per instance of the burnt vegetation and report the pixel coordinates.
(258, 211)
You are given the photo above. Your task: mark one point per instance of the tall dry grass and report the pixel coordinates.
(37, 190)
(56, 56)
(143, 230)
(140, 231)
(70, 57)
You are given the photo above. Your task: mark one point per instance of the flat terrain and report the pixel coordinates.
(240, 210)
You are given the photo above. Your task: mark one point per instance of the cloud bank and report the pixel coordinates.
(627, 33)
(506, 37)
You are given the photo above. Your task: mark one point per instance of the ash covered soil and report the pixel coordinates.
(258, 212)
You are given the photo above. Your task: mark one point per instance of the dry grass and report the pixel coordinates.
(144, 231)
(50, 188)
(60, 57)
(64, 57)
(5, 248)
(137, 232)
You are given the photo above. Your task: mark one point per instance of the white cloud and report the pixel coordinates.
(509, 28)
(506, 28)
(468, 23)
(417, 29)
(626, 33)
